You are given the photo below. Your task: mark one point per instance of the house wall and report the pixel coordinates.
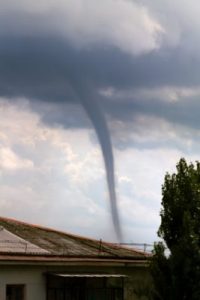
(135, 284)
(34, 280)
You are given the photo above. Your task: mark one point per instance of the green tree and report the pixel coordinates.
(176, 273)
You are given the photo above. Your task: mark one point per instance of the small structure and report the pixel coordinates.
(38, 263)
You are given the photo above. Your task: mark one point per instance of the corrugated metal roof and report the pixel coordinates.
(12, 243)
(45, 241)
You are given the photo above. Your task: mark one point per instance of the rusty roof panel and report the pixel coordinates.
(53, 242)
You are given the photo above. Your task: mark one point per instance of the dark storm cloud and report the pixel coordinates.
(39, 63)
(41, 54)
(39, 66)
(42, 68)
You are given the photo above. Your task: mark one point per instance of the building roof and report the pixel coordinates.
(26, 240)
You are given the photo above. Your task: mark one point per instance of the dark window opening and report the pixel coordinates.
(84, 288)
(15, 292)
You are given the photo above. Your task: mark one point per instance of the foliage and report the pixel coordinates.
(177, 275)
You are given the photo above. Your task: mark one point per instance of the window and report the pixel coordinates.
(15, 292)
(81, 288)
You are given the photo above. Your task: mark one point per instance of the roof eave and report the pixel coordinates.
(55, 260)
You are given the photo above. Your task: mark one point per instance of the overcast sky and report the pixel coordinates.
(139, 61)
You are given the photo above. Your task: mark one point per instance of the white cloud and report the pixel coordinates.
(180, 19)
(86, 170)
(140, 196)
(153, 132)
(54, 171)
(125, 25)
(167, 93)
(125, 179)
(163, 93)
(153, 147)
(60, 172)
(10, 161)
(146, 168)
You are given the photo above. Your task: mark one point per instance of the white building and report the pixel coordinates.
(38, 263)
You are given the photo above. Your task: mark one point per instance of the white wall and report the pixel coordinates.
(33, 279)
